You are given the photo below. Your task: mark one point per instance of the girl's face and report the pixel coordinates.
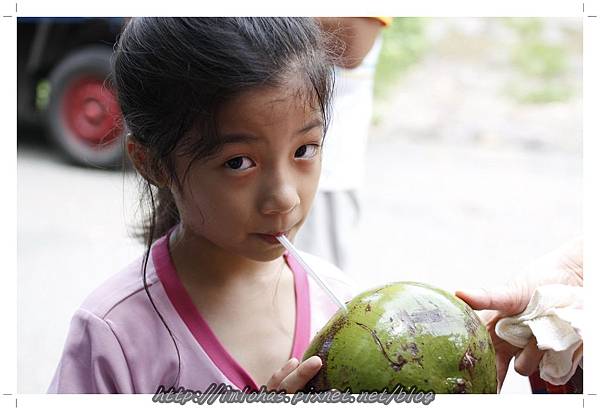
(263, 180)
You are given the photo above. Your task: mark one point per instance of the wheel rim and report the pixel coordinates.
(91, 112)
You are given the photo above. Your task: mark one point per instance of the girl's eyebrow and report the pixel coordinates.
(248, 138)
(310, 126)
(238, 138)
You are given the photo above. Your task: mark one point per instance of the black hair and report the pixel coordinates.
(172, 75)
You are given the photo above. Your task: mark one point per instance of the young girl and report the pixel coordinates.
(227, 117)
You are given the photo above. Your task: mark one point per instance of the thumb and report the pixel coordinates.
(504, 299)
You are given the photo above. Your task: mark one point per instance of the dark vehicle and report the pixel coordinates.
(62, 69)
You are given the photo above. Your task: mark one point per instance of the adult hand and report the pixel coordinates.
(293, 376)
(563, 266)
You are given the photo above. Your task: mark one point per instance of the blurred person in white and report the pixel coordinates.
(537, 317)
(331, 229)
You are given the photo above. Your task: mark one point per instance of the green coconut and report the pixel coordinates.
(405, 333)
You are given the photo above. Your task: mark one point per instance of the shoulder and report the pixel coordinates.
(331, 274)
(119, 289)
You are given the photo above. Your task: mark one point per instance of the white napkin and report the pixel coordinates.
(554, 316)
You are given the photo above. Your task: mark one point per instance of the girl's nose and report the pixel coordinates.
(280, 197)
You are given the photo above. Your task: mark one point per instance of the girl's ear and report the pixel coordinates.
(144, 163)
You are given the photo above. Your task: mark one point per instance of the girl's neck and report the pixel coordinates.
(201, 262)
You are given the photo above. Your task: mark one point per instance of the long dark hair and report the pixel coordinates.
(172, 75)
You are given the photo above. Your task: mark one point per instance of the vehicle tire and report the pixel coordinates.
(83, 116)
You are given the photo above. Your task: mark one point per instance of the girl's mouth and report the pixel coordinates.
(271, 238)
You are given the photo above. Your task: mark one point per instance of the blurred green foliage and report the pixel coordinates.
(541, 66)
(404, 43)
(525, 27)
(537, 58)
(547, 93)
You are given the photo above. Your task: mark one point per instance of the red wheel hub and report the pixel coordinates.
(91, 112)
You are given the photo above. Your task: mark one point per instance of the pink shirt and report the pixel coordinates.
(118, 344)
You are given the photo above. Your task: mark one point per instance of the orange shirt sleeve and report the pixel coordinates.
(386, 21)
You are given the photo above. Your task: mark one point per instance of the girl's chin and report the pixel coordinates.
(268, 253)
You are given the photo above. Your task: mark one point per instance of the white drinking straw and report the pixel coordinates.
(290, 247)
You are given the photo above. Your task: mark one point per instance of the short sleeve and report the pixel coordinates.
(92, 361)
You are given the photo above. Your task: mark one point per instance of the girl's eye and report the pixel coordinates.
(307, 151)
(239, 163)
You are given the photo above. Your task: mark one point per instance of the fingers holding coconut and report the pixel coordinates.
(501, 370)
(504, 350)
(502, 362)
(278, 377)
(528, 360)
(301, 375)
(509, 299)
